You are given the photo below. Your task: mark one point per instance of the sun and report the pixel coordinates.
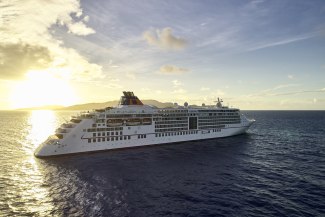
(42, 88)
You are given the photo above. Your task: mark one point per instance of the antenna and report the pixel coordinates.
(219, 103)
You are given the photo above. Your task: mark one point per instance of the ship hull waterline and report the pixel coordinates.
(106, 147)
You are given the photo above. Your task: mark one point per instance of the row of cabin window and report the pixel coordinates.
(109, 139)
(103, 129)
(171, 111)
(129, 116)
(142, 136)
(172, 122)
(171, 119)
(171, 129)
(218, 114)
(175, 134)
(175, 115)
(107, 134)
(218, 122)
(171, 125)
(223, 111)
(209, 127)
(219, 118)
(213, 125)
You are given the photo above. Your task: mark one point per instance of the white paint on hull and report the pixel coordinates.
(74, 143)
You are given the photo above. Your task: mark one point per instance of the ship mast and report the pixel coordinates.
(219, 103)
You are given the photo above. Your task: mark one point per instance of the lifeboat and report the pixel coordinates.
(114, 122)
(62, 130)
(146, 121)
(68, 125)
(100, 110)
(75, 120)
(133, 122)
(60, 136)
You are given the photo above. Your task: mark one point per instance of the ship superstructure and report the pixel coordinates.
(133, 124)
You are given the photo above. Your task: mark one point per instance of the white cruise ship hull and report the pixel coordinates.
(76, 144)
(132, 124)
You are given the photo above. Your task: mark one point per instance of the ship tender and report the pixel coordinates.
(133, 124)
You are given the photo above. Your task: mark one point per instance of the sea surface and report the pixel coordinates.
(276, 169)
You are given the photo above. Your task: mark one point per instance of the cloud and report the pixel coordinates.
(178, 87)
(205, 88)
(114, 86)
(172, 70)
(130, 75)
(86, 18)
(218, 93)
(111, 83)
(29, 35)
(164, 39)
(20, 18)
(270, 93)
(80, 68)
(179, 91)
(290, 76)
(79, 28)
(283, 41)
(16, 59)
(298, 92)
(225, 39)
(177, 83)
(145, 89)
(282, 86)
(254, 5)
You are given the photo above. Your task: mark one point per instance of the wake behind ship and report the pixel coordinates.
(133, 124)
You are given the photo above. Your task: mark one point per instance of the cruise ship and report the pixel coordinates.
(133, 124)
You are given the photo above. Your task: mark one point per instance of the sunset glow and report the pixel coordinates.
(252, 53)
(41, 88)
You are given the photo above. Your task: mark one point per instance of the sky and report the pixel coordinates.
(255, 54)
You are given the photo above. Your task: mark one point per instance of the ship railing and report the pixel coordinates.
(68, 125)
(101, 116)
(62, 130)
(84, 115)
(75, 120)
(51, 140)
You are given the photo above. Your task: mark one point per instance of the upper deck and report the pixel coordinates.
(131, 105)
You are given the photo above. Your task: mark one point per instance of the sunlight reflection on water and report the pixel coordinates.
(27, 176)
(269, 170)
(43, 124)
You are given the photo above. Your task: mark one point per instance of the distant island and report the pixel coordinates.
(91, 106)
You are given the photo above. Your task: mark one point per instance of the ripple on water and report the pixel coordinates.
(276, 169)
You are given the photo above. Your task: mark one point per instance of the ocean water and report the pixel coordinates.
(276, 169)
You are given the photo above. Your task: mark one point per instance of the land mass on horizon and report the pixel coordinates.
(91, 106)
